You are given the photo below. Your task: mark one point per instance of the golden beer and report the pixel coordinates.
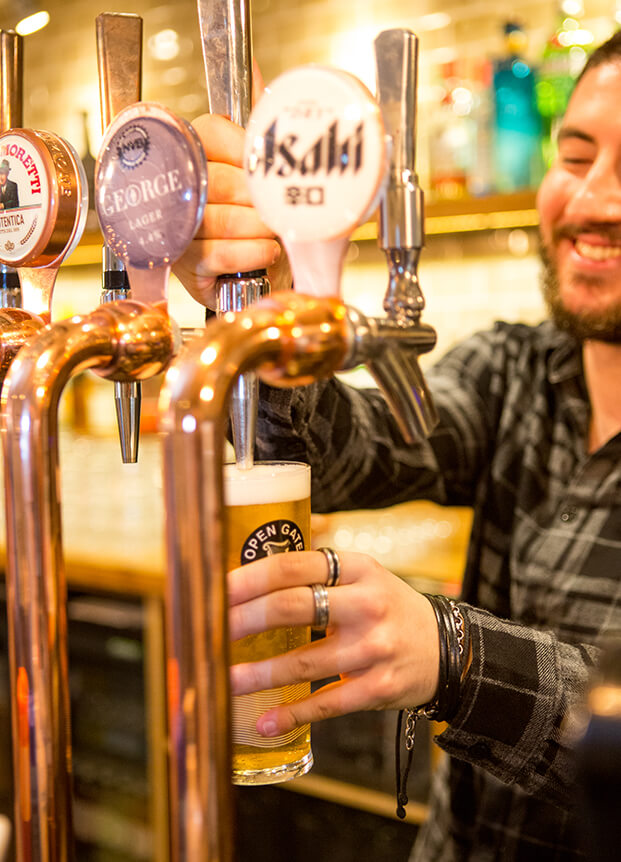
(267, 512)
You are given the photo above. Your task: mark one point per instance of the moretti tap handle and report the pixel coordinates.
(226, 36)
(119, 59)
(11, 116)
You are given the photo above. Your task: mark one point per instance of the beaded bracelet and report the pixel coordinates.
(452, 640)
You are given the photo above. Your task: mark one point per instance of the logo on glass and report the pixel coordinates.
(274, 537)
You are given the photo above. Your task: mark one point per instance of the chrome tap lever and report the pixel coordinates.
(401, 230)
(401, 223)
(226, 36)
(227, 54)
(119, 58)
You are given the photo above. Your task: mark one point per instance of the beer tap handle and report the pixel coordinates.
(316, 162)
(11, 116)
(401, 232)
(226, 36)
(119, 57)
(401, 223)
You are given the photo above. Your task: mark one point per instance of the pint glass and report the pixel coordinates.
(267, 512)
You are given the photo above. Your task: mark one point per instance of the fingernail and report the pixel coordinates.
(268, 728)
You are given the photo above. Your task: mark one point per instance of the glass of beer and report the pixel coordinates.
(267, 511)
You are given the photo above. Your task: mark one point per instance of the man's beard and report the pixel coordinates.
(583, 325)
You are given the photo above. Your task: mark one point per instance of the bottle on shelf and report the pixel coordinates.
(456, 159)
(517, 128)
(564, 55)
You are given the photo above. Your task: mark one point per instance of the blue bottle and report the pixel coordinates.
(517, 128)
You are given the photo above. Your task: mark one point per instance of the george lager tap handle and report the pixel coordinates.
(226, 36)
(119, 60)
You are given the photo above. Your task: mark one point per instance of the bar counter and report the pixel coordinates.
(113, 537)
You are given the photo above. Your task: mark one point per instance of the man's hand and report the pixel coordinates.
(382, 638)
(231, 237)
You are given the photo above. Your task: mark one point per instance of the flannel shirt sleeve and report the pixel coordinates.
(516, 705)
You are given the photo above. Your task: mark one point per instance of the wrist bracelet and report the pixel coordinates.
(453, 643)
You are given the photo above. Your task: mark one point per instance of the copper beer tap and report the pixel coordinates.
(124, 340)
(289, 340)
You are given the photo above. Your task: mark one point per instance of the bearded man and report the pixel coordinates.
(529, 437)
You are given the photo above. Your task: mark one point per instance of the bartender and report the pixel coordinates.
(529, 438)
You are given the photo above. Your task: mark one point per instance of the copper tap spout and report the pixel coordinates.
(127, 341)
(291, 340)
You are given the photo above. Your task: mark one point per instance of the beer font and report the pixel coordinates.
(290, 339)
(150, 188)
(318, 165)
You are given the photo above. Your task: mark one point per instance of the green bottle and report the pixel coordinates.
(563, 57)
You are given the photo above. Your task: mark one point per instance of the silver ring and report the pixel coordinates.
(321, 617)
(334, 566)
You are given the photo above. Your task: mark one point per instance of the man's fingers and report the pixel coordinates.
(337, 698)
(226, 184)
(279, 572)
(222, 139)
(205, 259)
(310, 663)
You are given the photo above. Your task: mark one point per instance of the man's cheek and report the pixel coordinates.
(551, 199)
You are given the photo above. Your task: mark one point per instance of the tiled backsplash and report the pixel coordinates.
(463, 291)
(61, 67)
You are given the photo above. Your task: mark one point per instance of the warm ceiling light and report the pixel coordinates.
(33, 23)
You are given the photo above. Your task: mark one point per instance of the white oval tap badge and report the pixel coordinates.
(316, 154)
(24, 197)
(150, 185)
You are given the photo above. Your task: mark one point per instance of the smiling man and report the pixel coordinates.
(529, 437)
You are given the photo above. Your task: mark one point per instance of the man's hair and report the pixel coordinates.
(608, 52)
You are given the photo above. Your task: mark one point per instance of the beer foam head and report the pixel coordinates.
(316, 154)
(266, 483)
(150, 185)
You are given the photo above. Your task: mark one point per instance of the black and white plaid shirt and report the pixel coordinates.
(542, 586)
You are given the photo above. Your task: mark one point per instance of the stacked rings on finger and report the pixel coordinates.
(322, 607)
(334, 566)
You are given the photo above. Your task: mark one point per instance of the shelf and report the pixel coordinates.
(495, 212)
(469, 215)
(355, 796)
